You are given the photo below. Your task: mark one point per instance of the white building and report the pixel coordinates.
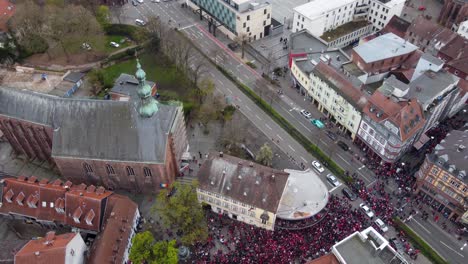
(251, 18)
(381, 11)
(320, 16)
(463, 29)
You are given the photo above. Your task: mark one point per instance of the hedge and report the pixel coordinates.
(135, 33)
(419, 243)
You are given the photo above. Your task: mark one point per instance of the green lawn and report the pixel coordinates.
(157, 70)
(115, 38)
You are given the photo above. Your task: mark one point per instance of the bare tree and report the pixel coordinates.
(242, 39)
(118, 11)
(196, 72)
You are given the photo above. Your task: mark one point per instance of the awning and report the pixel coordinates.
(423, 139)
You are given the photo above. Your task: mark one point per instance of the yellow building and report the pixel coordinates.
(242, 190)
(442, 177)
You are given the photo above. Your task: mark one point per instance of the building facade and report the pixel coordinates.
(453, 13)
(442, 177)
(249, 18)
(135, 144)
(241, 190)
(463, 29)
(381, 11)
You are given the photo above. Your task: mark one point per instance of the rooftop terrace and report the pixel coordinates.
(344, 30)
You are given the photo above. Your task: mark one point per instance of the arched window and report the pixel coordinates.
(147, 172)
(110, 169)
(87, 168)
(130, 171)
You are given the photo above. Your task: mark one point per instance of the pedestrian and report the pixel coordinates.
(199, 153)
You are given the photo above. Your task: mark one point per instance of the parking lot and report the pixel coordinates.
(283, 9)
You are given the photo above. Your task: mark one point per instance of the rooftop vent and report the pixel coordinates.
(313, 62)
(245, 193)
(379, 114)
(251, 164)
(228, 187)
(239, 177)
(257, 180)
(273, 177)
(461, 148)
(372, 109)
(264, 200)
(212, 182)
(462, 174)
(418, 88)
(221, 154)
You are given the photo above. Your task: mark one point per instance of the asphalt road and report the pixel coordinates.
(190, 25)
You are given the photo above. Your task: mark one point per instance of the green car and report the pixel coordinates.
(317, 123)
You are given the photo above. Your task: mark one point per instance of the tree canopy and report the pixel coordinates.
(146, 249)
(265, 155)
(183, 211)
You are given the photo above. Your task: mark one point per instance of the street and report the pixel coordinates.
(288, 105)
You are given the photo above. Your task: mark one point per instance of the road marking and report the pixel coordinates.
(258, 117)
(332, 189)
(279, 137)
(229, 90)
(363, 166)
(371, 183)
(425, 229)
(189, 26)
(268, 126)
(221, 82)
(452, 249)
(364, 176)
(304, 159)
(291, 148)
(323, 142)
(343, 159)
(248, 108)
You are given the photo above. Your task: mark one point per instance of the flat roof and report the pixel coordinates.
(304, 196)
(317, 8)
(383, 47)
(344, 30)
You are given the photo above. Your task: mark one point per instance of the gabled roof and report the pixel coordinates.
(428, 30)
(113, 130)
(456, 48)
(340, 83)
(244, 181)
(50, 249)
(397, 26)
(53, 201)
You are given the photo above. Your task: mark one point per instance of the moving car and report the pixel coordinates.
(331, 135)
(381, 225)
(317, 123)
(140, 22)
(114, 44)
(366, 210)
(318, 166)
(140, 1)
(343, 145)
(333, 180)
(349, 194)
(306, 114)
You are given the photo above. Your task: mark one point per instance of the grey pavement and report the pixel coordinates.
(433, 7)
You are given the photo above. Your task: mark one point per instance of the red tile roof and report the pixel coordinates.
(428, 30)
(407, 116)
(7, 10)
(48, 250)
(111, 244)
(55, 202)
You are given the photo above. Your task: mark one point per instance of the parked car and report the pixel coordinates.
(331, 135)
(306, 114)
(381, 225)
(140, 22)
(317, 123)
(343, 145)
(134, 3)
(140, 1)
(156, 1)
(333, 180)
(233, 46)
(318, 166)
(349, 194)
(366, 210)
(114, 44)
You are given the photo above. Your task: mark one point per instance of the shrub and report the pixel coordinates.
(251, 65)
(135, 33)
(419, 243)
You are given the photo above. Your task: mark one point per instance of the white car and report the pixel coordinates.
(140, 1)
(318, 166)
(366, 210)
(140, 22)
(306, 114)
(381, 225)
(333, 180)
(114, 44)
(156, 1)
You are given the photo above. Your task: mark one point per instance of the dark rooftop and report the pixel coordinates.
(74, 77)
(452, 153)
(244, 181)
(9, 249)
(113, 130)
(127, 84)
(397, 26)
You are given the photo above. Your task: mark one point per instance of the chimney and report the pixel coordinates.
(37, 253)
(49, 238)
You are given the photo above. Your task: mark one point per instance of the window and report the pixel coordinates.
(248, 18)
(248, 29)
(244, 25)
(44, 204)
(130, 171)
(435, 171)
(264, 11)
(110, 169)
(147, 172)
(445, 177)
(87, 168)
(268, 16)
(72, 252)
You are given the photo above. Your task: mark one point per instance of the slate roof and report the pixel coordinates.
(256, 185)
(397, 26)
(428, 30)
(74, 77)
(9, 249)
(95, 129)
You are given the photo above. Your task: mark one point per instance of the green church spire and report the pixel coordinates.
(148, 105)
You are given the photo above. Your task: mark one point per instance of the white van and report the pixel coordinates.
(140, 22)
(381, 225)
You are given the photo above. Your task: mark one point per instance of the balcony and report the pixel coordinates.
(360, 14)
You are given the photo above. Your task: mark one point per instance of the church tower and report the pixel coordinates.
(148, 105)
